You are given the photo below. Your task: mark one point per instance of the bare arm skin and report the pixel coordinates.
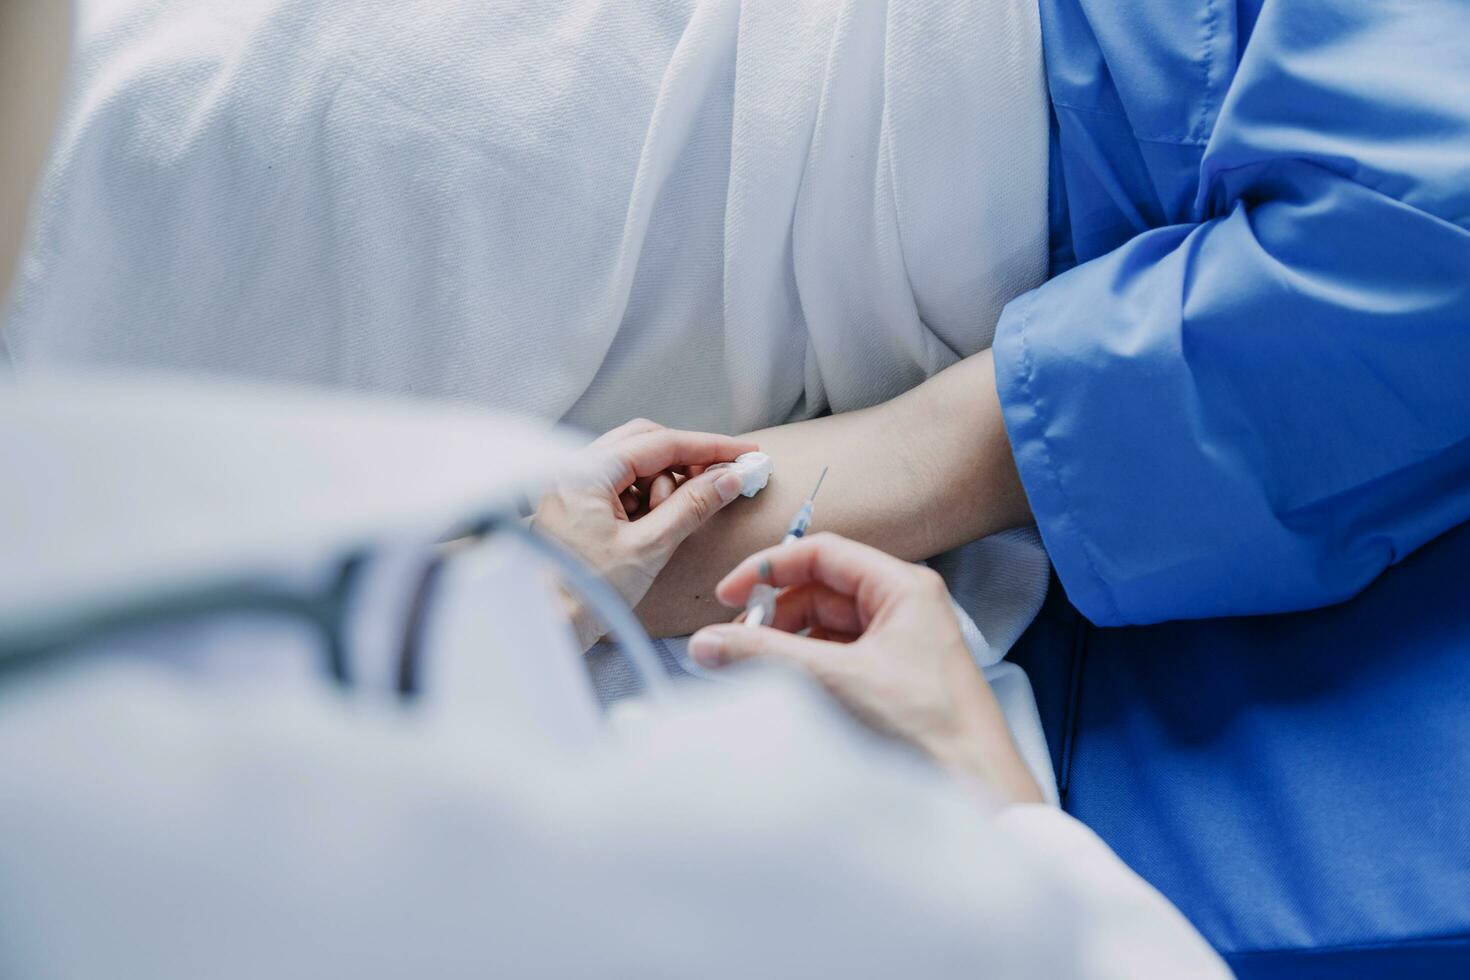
(925, 472)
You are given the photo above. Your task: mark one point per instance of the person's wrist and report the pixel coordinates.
(978, 747)
(1005, 777)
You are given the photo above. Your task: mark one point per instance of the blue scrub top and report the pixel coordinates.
(1248, 388)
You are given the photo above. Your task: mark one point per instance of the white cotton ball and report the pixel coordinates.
(754, 469)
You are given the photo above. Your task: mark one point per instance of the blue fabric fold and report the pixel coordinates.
(1252, 392)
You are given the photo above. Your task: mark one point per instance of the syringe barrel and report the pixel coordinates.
(799, 524)
(760, 608)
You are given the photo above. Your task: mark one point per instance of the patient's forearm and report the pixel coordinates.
(915, 476)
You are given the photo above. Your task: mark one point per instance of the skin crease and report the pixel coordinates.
(948, 477)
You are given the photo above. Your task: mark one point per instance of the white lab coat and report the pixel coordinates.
(226, 815)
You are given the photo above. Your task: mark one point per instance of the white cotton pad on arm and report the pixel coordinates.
(754, 469)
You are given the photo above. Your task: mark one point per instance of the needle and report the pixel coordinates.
(819, 484)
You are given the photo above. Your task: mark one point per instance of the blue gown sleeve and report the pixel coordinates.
(1261, 409)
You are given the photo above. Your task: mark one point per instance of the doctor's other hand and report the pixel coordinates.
(588, 512)
(883, 640)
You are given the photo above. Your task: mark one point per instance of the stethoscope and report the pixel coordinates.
(326, 611)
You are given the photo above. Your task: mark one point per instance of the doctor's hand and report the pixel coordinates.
(589, 512)
(883, 639)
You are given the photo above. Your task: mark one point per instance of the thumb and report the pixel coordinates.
(689, 507)
(733, 643)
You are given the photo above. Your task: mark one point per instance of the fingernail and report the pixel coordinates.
(707, 649)
(728, 485)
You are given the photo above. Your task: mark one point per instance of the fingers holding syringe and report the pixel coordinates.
(827, 613)
(843, 566)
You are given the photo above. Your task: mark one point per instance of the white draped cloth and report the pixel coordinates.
(719, 214)
(715, 213)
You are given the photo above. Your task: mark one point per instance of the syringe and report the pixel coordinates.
(760, 608)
